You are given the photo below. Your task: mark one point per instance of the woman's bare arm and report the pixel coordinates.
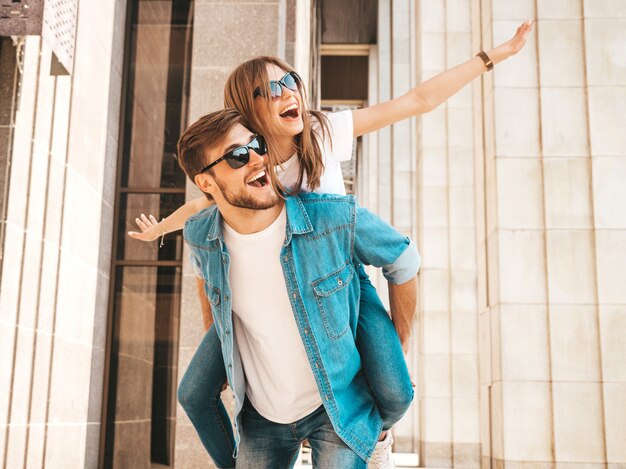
(428, 95)
(152, 229)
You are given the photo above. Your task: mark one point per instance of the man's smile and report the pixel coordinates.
(258, 179)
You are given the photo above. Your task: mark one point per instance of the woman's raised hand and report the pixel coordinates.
(519, 40)
(149, 229)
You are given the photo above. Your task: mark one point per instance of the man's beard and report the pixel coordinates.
(242, 200)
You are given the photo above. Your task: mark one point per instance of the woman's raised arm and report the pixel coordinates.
(428, 95)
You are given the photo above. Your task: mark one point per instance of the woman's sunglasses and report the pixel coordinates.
(291, 80)
(239, 157)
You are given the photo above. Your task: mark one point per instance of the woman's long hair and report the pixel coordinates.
(239, 94)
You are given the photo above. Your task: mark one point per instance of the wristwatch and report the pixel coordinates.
(486, 59)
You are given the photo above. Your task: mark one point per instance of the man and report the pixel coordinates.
(280, 275)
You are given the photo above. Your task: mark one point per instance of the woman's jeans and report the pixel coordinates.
(382, 359)
(199, 393)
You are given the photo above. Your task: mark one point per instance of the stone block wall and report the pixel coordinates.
(56, 260)
(513, 193)
(553, 237)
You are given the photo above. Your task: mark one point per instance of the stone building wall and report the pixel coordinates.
(56, 258)
(553, 240)
(515, 196)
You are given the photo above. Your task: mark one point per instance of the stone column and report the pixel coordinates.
(419, 175)
(552, 368)
(402, 169)
(603, 39)
(449, 398)
(56, 259)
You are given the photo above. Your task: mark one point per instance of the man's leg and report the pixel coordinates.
(328, 451)
(265, 444)
(199, 393)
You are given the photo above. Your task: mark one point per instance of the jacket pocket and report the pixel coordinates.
(332, 299)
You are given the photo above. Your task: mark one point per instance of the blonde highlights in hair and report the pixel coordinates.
(239, 94)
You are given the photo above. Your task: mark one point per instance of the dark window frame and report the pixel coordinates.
(106, 450)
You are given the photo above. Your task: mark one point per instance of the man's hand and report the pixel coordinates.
(150, 229)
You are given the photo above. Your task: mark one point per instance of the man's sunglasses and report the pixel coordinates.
(239, 157)
(291, 80)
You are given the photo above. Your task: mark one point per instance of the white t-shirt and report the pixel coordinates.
(280, 383)
(331, 181)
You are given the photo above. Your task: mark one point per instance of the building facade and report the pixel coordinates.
(513, 190)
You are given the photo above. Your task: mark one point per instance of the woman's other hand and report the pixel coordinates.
(150, 229)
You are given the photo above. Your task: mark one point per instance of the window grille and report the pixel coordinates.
(54, 20)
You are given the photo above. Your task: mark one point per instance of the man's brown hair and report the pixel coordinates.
(206, 132)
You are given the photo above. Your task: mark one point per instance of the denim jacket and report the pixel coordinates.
(327, 238)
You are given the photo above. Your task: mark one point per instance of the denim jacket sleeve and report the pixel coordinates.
(379, 244)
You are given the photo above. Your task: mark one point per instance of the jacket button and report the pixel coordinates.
(230, 365)
(226, 297)
(339, 282)
(227, 332)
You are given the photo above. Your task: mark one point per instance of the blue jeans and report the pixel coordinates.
(199, 393)
(382, 359)
(270, 445)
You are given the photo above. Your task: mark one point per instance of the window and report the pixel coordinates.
(144, 304)
(344, 85)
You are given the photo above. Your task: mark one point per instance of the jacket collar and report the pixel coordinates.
(214, 228)
(298, 221)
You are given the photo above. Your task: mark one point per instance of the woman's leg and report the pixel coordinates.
(199, 393)
(382, 356)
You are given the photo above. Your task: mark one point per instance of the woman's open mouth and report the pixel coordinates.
(258, 180)
(290, 112)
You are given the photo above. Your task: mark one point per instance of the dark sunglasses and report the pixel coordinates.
(239, 157)
(291, 80)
